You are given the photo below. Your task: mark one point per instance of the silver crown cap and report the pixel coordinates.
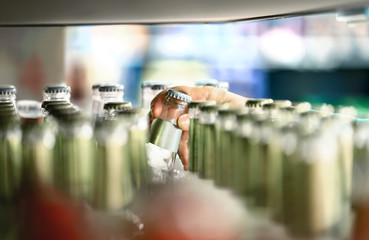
(57, 89)
(179, 95)
(7, 90)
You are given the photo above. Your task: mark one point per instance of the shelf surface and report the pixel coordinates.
(87, 12)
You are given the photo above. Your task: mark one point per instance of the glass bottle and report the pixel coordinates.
(165, 135)
(111, 109)
(110, 93)
(73, 163)
(311, 184)
(243, 134)
(38, 142)
(205, 164)
(149, 90)
(53, 94)
(10, 148)
(226, 123)
(254, 106)
(57, 93)
(8, 94)
(193, 142)
(137, 123)
(95, 99)
(112, 177)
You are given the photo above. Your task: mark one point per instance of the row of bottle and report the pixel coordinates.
(291, 164)
(102, 163)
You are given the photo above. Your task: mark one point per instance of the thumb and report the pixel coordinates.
(184, 122)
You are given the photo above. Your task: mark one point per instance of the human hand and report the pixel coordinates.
(183, 121)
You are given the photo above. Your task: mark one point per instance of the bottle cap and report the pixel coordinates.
(111, 88)
(57, 89)
(179, 95)
(154, 85)
(7, 89)
(159, 86)
(96, 86)
(258, 102)
(277, 104)
(119, 106)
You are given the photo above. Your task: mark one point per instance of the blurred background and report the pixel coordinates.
(311, 58)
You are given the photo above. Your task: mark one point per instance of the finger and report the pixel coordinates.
(183, 149)
(184, 122)
(157, 104)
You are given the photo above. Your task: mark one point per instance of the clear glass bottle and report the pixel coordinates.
(254, 106)
(8, 94)
(193, 142)
(226, 123)
(207, 141)
(110, 93)
(53, 94)
(112, 177)
(73, 162)
(137, 124)
(10, 153)
(38, 141)
(95, 99)
(164, 132)
(112, 108)
(311, 184)
(149, 90)
(243, 134)
(57, 93)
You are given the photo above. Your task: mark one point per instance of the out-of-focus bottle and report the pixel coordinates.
(205, 163)
(73, 163)
(8, 94)
(112, 177)
(194, 134)
(254, 106)
(137, 124)
(360, 189)
(95, 99)
(242, 136)
(10, 146)
(149, 90)
(224, 160)
(164, 133)
(55, 94)
(110, 93)
(279, 114)
(342, 128)
(38, 142)
(311, 183)
(111, 109)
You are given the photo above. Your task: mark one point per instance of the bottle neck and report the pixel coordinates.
(62, 96)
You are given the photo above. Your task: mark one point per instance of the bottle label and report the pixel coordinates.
(165, 134)
(29, 109)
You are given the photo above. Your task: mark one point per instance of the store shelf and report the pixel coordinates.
(68, 12)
